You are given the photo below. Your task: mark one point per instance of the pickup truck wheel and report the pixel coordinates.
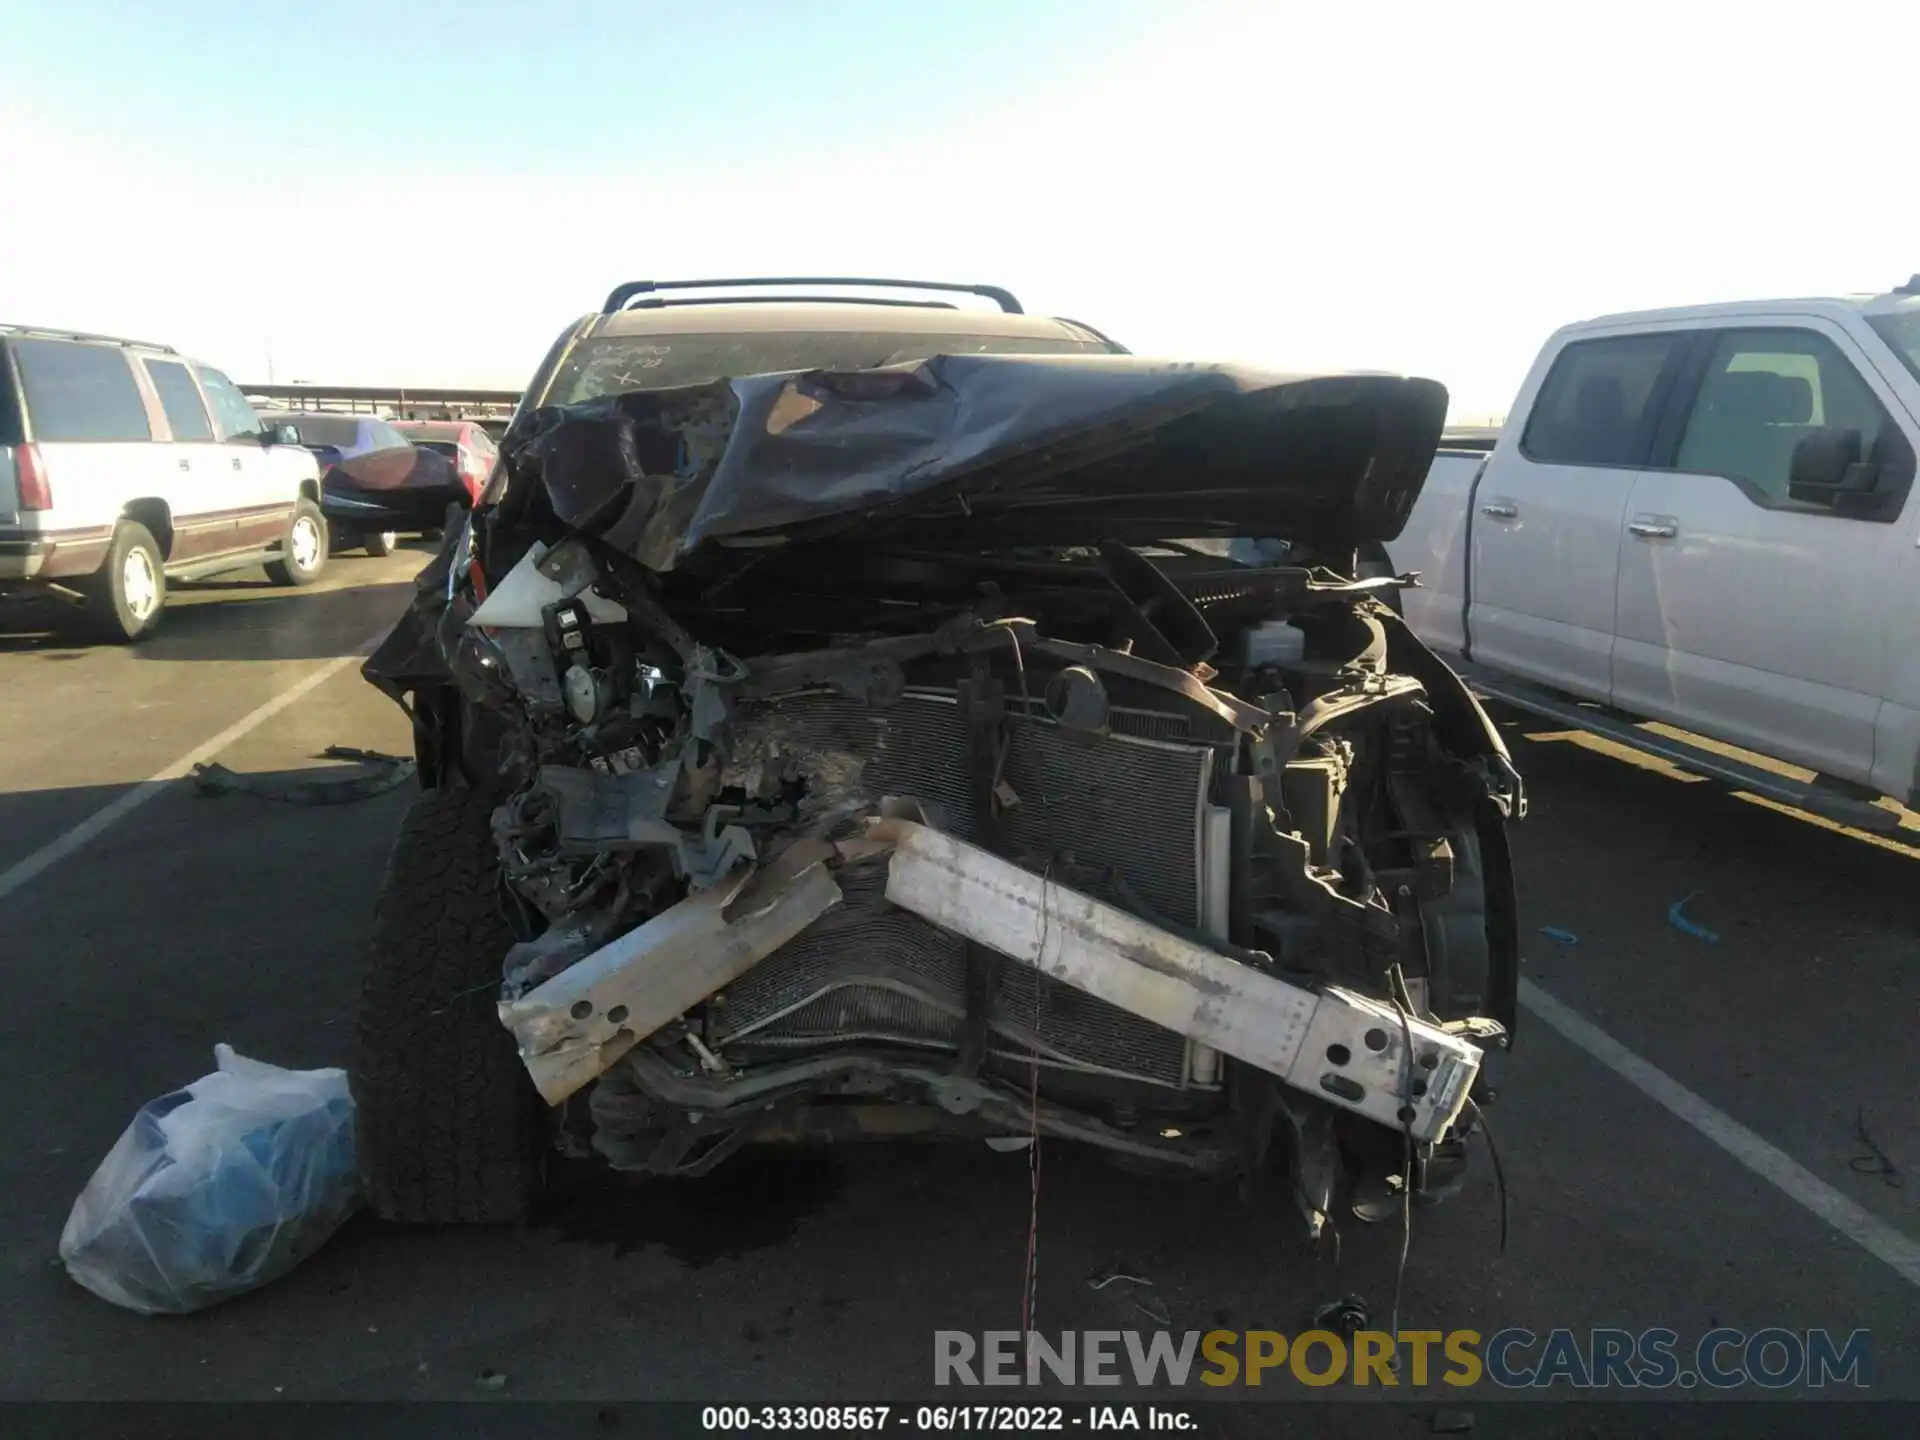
(451, 1129)
(303, 552)
(125, 597)
(382, 544)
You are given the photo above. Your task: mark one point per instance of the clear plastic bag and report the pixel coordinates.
(217, 1189)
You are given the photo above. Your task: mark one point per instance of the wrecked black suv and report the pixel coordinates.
(856, 719)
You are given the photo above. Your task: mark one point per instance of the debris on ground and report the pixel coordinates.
(1876, 1160)
(491, 1380)
(1559, 936)
(1346, 1316)
(1677, 918)
(1136, 1290)
(217, 1189)
(389, 772)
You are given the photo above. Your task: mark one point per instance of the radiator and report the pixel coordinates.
(1124, 803)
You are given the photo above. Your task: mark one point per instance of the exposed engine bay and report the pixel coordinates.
(953, 775)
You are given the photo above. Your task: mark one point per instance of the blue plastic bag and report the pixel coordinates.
(217, 1189)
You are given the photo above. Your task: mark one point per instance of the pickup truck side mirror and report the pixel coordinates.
(280, 435)
(1826, 470)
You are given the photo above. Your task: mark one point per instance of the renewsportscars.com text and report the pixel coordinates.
(1653, 1359)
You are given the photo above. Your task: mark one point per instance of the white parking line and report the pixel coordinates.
(1873, 1235)
(21, 872)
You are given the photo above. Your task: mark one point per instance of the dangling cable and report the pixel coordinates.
(1499, 1170)
(1396, 987)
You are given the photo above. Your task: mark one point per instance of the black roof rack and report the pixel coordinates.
(660, 302)
(48, 332)
(622, 294)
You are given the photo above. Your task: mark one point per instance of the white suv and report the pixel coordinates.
(123, 465)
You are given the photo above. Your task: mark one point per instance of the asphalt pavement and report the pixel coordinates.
(182, 920)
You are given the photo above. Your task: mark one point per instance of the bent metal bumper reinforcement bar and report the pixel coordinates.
(1345, 1048)
(572, 1027)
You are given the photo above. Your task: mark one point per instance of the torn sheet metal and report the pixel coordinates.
(574, 1026)
(1037, 448)
(594, 811)
(1345, 1048)
(524, 592)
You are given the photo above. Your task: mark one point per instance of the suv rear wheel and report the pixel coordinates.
(125, 597)
(303, 553)
(451, 1130)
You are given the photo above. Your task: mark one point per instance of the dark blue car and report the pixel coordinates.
(375, 483)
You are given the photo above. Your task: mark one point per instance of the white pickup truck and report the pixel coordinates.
(1702, 517)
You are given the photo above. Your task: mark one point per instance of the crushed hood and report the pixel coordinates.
(1005, 450)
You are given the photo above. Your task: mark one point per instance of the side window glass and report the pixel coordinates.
(186, 416)
(12, 431)
(231, 411)
(80, 392)
(1763, 392)
(1596, 406)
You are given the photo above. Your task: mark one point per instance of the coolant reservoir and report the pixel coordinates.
(1275, 642)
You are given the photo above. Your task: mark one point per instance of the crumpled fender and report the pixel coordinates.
(1462, 724)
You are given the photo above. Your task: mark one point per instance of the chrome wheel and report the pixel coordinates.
(304, 542)
(139, 585)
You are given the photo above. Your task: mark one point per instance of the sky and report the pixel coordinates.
(412, 193)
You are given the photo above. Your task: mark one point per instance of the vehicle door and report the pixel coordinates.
(1751, 597)
(262, 497)
(1547, 515)
(93, 431)
(200, 491)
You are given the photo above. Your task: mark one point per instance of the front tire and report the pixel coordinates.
(125, 598)
(451, 1130)
(303, 551)
(382, 544)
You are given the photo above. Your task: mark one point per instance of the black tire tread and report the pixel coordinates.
(450, 1127)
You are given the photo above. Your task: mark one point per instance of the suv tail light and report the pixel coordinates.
(30, 477)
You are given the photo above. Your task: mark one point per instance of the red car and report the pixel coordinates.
(463, 442)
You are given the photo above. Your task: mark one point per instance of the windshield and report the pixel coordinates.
(1901, 330)
(618, 364)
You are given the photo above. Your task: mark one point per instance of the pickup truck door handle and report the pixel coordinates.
(186, 464)
(1653, 527)
(236, 462)
(1500, 509)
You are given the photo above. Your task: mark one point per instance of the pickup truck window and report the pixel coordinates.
(1902, 332)
(1763, 392)
(1595, 407)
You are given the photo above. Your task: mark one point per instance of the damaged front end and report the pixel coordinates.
(899, 751)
